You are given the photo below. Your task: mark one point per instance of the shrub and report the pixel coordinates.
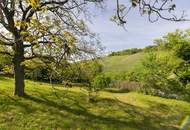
(100, 82)
(38, 73)
(156, 77)
(183, 72)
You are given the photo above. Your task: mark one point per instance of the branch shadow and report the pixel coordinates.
(79, 114)
(147, 119)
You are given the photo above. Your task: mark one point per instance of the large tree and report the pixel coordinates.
(56, 28)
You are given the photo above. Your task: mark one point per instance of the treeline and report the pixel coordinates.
(40, 70)
(126, 52)
(132, 51)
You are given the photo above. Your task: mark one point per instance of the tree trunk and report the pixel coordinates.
(19, 69)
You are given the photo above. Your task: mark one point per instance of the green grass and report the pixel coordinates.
(122, 63)
(42, 109)
(112, 64)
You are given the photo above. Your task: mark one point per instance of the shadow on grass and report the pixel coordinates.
(133, 117)
(107, 113)
(83, 111)
(116, 90)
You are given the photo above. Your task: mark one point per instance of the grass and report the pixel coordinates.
(122, 63)
(69, 109)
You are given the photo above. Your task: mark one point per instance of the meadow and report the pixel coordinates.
(57, 108)
(122, 63)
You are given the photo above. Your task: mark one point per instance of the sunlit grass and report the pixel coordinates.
(122, 63)
(69, 108)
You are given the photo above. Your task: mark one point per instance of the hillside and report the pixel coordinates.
(122, 63)
(42, 109)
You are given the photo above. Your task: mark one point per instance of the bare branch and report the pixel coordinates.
(118, 14)
(153, 7)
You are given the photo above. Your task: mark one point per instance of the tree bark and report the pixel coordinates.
(19, 69)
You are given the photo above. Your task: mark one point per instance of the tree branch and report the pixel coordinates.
(5, 53)
(5, 43)
(38, 56)
(153, 7)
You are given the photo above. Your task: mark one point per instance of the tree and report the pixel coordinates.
(41, 29)
(177, 45)
(89, 70)
(178, 41)
(54, 28)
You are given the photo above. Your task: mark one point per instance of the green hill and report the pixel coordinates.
(122, 63)
(69, 109)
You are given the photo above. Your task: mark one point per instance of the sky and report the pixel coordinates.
(139, 31)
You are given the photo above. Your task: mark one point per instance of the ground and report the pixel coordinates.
(69, 108)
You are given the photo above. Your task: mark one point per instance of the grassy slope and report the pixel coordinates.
(119, 64)
(122, 63)
(41, 109)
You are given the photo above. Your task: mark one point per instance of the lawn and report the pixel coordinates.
(67, 108)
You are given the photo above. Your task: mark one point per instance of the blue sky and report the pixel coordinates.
(140, 32)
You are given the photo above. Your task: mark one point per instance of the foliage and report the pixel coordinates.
(178, 42)
(40, 73)
(183, 50)
(157, 76)
(183, 72)
(89, 70)
(5, 63)
(37, 70)
(98, 83)
(101, 81)
(150, 48)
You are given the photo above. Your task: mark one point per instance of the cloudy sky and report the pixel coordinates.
(140, 32)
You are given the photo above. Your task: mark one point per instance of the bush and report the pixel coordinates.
(157, 76)
(40, 73)
(183, 72)
(150, 48)
(182, 50)
(187, 92)
(100, 82)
